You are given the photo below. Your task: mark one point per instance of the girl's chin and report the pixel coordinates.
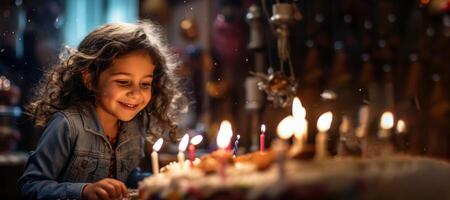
(126, 118)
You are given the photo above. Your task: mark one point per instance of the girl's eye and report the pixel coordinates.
(146, 85)
(122, 83)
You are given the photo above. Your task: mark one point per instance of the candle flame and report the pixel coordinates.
(401, 126)
(263, 128)
(298, 111)
(224, 135)
(285, 128)
(196, 139)
(158, 144)
(324, 121)
(183, 143)
(387, 120)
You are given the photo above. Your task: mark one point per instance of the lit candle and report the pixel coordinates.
(401, 126)
(386, 124)
(262, 138)
(285, 130)
(298, 111)
(301, 125)
(223, 140)
(323, 125)
(402, 140)
(181, 148)
(224, 135)
(155, 162)
(236, 146)
(194, 141)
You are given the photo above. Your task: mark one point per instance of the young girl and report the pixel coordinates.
(96, 106)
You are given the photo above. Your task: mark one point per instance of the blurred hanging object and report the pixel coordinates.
(229, 39)
(283, 16)
(254, 20)
(189, 29)
(157, 10)
(279, 86)
(228, 34)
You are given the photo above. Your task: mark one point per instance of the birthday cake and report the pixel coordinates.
(261, 176)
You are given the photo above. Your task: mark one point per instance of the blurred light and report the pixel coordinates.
(184, 143)
(401, 126)
(324, 121)
(387, 120)
(196, 139)
(158, 144)
(285, 128)
(224, 135)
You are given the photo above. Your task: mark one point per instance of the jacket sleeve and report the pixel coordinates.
(47, 162)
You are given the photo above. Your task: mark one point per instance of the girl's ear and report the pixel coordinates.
(87, 79)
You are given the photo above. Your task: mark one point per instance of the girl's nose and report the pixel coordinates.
(134, 92)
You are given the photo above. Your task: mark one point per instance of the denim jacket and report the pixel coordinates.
(74, 151)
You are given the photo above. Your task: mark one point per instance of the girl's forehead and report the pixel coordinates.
(132, 63)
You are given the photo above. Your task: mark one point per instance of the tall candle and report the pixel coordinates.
(300, 133)
(401, 127)
(223, 140)
(386, 123)
(301, 125)
(154, 155)
(401, 138)
(181, 148)
(285, 130)
(323, 125)
(262, 138)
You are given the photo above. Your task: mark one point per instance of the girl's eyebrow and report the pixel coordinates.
(128, 74)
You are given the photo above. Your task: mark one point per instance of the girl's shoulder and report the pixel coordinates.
(73, 115)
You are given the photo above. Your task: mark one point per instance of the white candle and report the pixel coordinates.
(323, 125)
(154, 155)
(386, 123)
(223, 140)
(300, 124)
(285, 130)
(401, 127)
(224, 135)
(384, 134)
(181, 148)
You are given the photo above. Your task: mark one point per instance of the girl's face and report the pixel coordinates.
(125, 87)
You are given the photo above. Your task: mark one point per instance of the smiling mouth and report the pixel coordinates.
(129, 106)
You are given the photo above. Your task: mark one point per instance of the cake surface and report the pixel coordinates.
(395, 177)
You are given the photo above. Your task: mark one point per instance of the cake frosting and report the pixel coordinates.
(393, 177)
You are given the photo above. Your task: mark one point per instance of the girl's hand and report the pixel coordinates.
(105, 189)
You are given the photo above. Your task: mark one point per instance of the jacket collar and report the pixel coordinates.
(90, 119)
(92, 124)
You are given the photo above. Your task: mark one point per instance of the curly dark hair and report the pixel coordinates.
(62, 85)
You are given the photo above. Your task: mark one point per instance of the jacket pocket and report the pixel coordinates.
(84, 168)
